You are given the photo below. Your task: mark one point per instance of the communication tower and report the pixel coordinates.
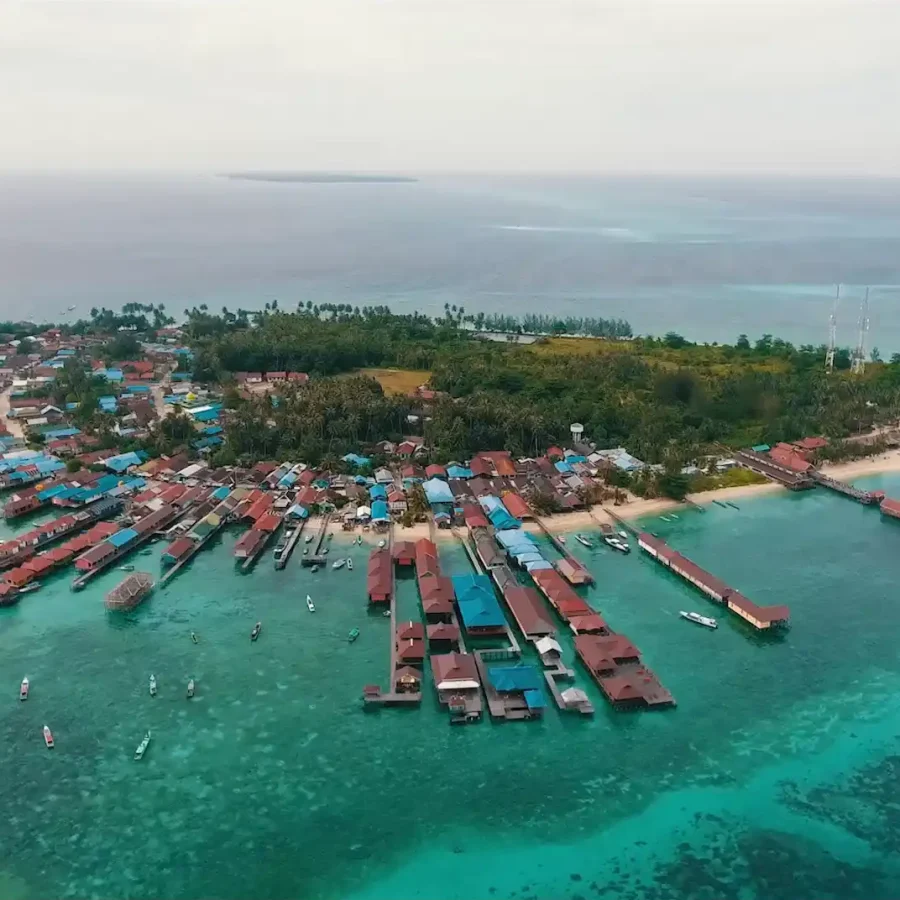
(832, 333)
(858, 364)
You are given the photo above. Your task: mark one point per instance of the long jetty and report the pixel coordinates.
(282, 561)
(867, 498)
(317, 558)
(761, 617)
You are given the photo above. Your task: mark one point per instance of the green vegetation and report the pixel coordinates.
(667, 400)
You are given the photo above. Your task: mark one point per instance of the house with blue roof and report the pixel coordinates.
(437, 491)
(521, 682)
(478, 604)
(124, 461)
(380, 511)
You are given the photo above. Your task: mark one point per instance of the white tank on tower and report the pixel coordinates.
(577, 430)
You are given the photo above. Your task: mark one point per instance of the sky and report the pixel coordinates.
(764, 86)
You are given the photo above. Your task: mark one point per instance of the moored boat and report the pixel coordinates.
(256, 630)
(190, 689)
(562, 539)
(583, 541)
(23, 689)
(338, 563)
(194, 637)
(29, 588)
(618, 544)
(354, 634)
(707, 621)
(359, 540)
(142, 747)
(349, 564)
(381, 544)
(306, 551)
(309, 604)
(126, 568)
(152, 685)
(623, 535)
(48, 737)
(325, 551)
(309, 539)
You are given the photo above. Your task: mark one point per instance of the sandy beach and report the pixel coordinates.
(636, 508)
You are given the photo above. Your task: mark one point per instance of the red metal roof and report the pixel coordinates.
(437, 594)
(59, 554)
(811, 443)
(528, 610)
(268, 523)
(39, 564)
(505, 467)
(249, 542)
(411, 650)
(260, 507)
(410, 631)
(480, 466)
(435, 471)
(404, 551)
(592, 624)
(95, 555)
(453, 667)
(442, 631)
(178, 548)
(18, 576)
(378, 580)
(474, 516)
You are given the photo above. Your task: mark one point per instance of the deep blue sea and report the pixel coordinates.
(707, 258)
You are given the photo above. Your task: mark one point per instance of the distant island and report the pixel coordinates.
(319, 178)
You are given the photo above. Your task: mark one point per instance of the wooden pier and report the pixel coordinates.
(289, 547)
(866, 498)
(317, 558)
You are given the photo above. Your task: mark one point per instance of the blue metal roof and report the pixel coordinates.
(521, 677)
(212, 429)
(534, 699)
(121, 538)
(458, 472)
(122, 462)
(138, 388)
(437, 491)
(477, 601)
(378, 492)
(380, 510)
(562, 466)
(57, 433)
(301, 512)
(220, 493)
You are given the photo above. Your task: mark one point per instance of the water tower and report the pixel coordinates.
(577, 430)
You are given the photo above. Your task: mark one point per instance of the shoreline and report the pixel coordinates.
(562, 523)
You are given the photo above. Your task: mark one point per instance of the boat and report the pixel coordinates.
(142, 747)
(314, 567)
(127, 594)
(256, 630)
(354, 634)
(700, 620)
(126, 568)
(30, 588)
(675, 517)
(623, 535)
(562, 539)
(338, 563)
(720, 503)
(325, 552)
(387, 613)
(381, 544)
(583, 541)
(349, 564)
(70, 308)
(618, 544)
(330, 535)
(23, 690)
(194, 637)
(190, 690)
(48, 738)
(309, 539)
(309, 604)
(359, 540)
(152, 685)
(732, 505)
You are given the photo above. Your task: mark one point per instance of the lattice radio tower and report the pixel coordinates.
(858, 364)
(832, 333)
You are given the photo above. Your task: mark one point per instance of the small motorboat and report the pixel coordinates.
(674, 516)
(583, 541)
(309, 539)
(381, 544)
(720, 503)
(314, 567)
(194, 637)
(152, 685)
(354, 634)
(190, 690)
(359, 540)
(126, 568)
(623, 535)
(618, 544)
(23, 689)
(325, 551)
(338, 564)
(48, 737)
(733, 505)
(349, 564)
(142, 747)
(306, 551)
(309, 604)
(256, 630)
(29, 588)
(700, 620)
(387, 613)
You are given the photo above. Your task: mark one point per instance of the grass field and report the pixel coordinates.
(398, 381)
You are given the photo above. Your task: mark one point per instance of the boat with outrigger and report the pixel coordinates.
(309, 538)
(339, 564)
(152, 685)
(309, 604)
(706, 621)
(23, 689)
(256, 630)
(353, 635)
(194, 637)
(584, 541)
(349, 564)
(142, 747)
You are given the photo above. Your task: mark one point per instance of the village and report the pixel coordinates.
(507, 635)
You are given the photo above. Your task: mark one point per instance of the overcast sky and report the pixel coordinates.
(416, 85)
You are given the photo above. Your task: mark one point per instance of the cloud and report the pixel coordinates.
(797, 86)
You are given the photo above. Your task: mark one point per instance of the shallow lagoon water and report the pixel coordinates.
(774, 777)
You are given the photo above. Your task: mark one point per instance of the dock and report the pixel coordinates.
(569, 567)
(317, 558)
(760, 617)
(866, 498)
(282, 561)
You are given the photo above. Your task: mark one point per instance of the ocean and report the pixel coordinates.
(707, 258)
(775, 777)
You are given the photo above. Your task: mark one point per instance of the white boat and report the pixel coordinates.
(190, 690)
(349, 564)
(381, 544)
(583, 541)
(142, 747)
(152, 685)
(309, 604)
(618, 544)
(23, 690)
(325, 552)
(314, 568)
(387, 613)
(338, 564)
(48, 737)
(674, 516)
(623, 535)
(306, 551)
(126, 568)
(700, 620)
(30, 587)
(309, 539)
(194, 637)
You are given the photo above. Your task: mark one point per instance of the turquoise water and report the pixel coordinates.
(774, 777)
